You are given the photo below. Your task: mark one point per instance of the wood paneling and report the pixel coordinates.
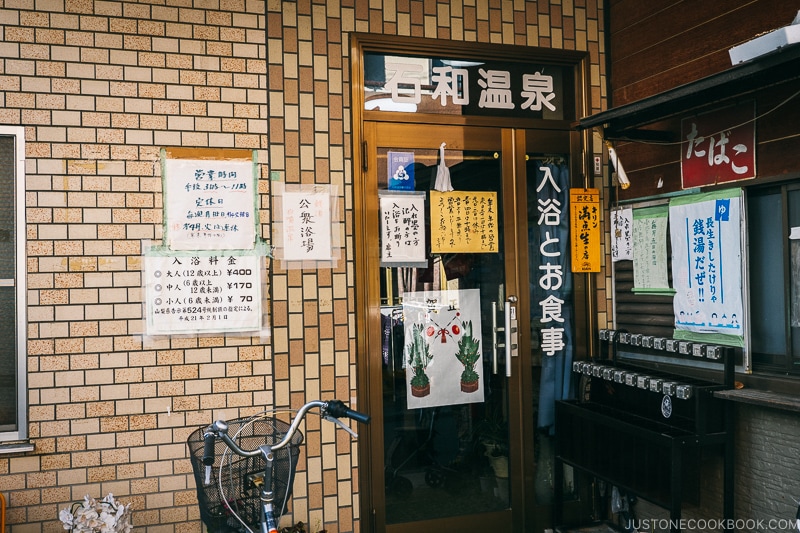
(657, 46)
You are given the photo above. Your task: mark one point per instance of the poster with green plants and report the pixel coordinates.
(442, 347)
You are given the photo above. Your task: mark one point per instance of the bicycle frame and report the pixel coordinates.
(330, 410)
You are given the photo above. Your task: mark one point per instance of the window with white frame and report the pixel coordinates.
(13, 368)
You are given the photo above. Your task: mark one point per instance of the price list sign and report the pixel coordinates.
(189, 294)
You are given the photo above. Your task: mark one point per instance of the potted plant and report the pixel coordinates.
(419, 356)
(468, 354)
(93, 516)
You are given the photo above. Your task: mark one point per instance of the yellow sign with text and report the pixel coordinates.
(464, 222)
(584, 209)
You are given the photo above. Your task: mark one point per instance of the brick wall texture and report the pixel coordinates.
(101, 87)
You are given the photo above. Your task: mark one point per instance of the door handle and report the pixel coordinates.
(511, 331)
(495, 344)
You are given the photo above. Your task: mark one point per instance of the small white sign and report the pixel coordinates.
(307, 226)
(403, 230)
(209, 204)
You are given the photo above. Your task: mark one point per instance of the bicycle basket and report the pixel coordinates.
(235, 474)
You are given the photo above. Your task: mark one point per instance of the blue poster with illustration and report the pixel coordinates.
(401, 171)
(705, 232)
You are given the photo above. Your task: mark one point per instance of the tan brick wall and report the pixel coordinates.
(101, 86)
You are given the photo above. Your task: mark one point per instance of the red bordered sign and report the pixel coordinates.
(719, 147)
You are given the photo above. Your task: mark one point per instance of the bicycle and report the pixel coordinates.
(238, 490)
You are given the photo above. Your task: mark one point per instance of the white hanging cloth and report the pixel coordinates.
(442, 173)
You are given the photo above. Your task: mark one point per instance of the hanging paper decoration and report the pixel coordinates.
(443, 348)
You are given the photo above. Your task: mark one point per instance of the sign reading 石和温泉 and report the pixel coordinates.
(464, 222)
(705, 232)
(203, 292)
(719, 147)
(468, 87)
(210, 204)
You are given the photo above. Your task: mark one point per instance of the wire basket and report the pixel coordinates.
(238, 495)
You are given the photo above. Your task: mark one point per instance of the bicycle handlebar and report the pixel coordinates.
(219, 429)
(337, 409)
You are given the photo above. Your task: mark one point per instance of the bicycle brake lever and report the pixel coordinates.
(342, 424)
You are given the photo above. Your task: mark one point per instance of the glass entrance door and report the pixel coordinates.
(451, 386)
(445, 385)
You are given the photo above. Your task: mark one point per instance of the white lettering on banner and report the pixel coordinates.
(496, 93)
(552, 275)
(405, 84)
(538, 91)
(451, 82)
(720, 146)
(404, 74)
(717, 150)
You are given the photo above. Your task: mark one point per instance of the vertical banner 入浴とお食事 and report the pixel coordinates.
(706, 236)
(552, 308)
(650, 250)
(442, 347)
(403, 229)
(210, 204)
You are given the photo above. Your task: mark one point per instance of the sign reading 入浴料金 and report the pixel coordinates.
(202, 292)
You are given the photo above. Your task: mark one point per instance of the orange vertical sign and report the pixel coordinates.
(584, 209)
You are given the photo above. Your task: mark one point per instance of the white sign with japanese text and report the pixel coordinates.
(403, 229)
(622, 234)
(650, 249)
(706, 242)
(307, 225)
(209, 204)
(536, 92)
(202, 293)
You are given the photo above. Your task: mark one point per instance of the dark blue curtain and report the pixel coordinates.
(556, 383)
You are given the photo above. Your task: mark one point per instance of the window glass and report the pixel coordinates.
(767, 302)
(12, 377)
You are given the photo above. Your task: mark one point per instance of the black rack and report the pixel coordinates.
(640, 428)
